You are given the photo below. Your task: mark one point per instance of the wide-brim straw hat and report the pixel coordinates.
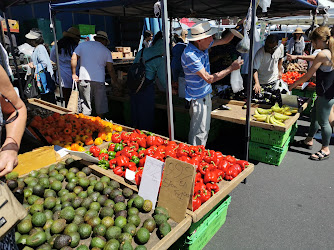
(72, 32)
(298, 31)
(102, 34)
(32, 35)
(200, 31)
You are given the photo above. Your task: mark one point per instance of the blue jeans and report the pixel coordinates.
(142, 108)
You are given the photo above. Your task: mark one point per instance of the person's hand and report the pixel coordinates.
(257, 88)
(290, 57)
(31, 65)
(291, 88)
(8, 161)
(75, 77)
(280, 74)
(237, 64)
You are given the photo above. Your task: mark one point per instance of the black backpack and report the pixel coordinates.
(137, 74)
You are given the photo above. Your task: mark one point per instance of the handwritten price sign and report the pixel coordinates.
(177, 188)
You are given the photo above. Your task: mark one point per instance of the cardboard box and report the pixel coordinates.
(128, 55)
(13, 24)
(117, 55)
(123, 49)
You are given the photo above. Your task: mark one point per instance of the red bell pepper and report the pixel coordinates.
(210, 156)
(169, 151)
(198, 187)
(95, 150)
(112, 163)
(195, 160)
(142, 142)
(122, 160)
(193, 151)
(210, 176)
(119, 171)
(142, 161)
(125, 136)
(198, 178)
(132, 166)
(141, 153)
(243, 164)
(103, 156)
(220, 157)
(116, 138)
(159, 141)
(111, 147)
(230, 159)
(151, 140)
(159, 156)
(172, 144)
(150, 151)
(185, 159)
(196, 202)
(138, 177)
(181, 152)
(204, 167)
(205, 195)
(224, 165)
(133, 145)
(212, 188)
(200, 149)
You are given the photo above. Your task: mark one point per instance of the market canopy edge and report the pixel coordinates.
(180, 8)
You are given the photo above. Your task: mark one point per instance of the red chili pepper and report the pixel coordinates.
(230, 159)
(138, 177)
(212, 188)
(119, 171)
(95, 150)
(116, 138)
(196, 202)
(122, 161)
(103, 156)
(243, 164)
(205, 195)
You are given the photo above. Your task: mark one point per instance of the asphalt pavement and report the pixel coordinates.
(284, 207)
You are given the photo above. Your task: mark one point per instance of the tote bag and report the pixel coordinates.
(11, 210)
(74, 97)
(30, 88)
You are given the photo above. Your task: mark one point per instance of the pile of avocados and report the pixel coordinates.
(71, 208)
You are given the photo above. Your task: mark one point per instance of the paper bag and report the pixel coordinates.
(73, 101)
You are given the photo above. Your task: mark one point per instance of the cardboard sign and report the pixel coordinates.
(177, 188)
(13, 25)
(150, 180)
(83, 156)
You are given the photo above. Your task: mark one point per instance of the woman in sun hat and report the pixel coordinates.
(41, 61)
(296, 44)
(66, 46)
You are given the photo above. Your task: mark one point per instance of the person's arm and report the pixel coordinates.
(74, 63)
(320, 58)
(257, 86)
(224, 40)
(219, 75)
(15, 129)
(112, 73)
(302, 57)
(280, 68)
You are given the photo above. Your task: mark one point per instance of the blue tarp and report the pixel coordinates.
(181, 8)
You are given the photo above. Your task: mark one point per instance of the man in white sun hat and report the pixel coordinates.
(94, 57)
(196, 67)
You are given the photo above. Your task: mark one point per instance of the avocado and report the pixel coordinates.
(94, 195)
(102, 199)
(98, 242)
(78, 219)
(48, 213)
(140, 247)
(109, 203)
(164, 229)
(119, 206)
(34, 173)
(23, 239)
(36, 239)
(56, 214)
(58, 226)
(70, 186)
(114, 184)
(147, 207)
(108, 221)
(160, 218)
(161, 210)
(80, 174)
(56, 186)
(67, 213)
(87, 170)
(99, 230)
(138, 202)
(126, 245)
(45, 246)
(85, 230)
(130, 228)
(12, 175)
(38, 219)
(49, 193)
(80, 211)
(77, 189)
(95, 206)
(68, 161)
(82, 247)
(149, 224)
(44, 182)
(48, 224)
(12, 184)
(135, 219)
(59, 166)
(114, 193)
(106, 211)
(59, 177)
(142, 236)
(31, 199)
(61, 241)
(127, 192)
(113, 232)
(75, 239)
(107, 190)
(50, 202)
(63, 172)
(36, 208)
(123, 213)
(71, 228)
(119, 198)
(112, 244)
(125, 237)
(90, 214)
(86, 202)
(94, 221)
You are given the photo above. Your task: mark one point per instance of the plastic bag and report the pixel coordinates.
(244, 45)
(236, 80)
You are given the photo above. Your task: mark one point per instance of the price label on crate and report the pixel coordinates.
(177, 188)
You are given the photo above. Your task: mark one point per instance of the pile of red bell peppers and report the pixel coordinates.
(128, 150)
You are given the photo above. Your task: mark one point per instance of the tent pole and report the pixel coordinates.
(164, 16)
(14, 57)
(250, 79)
(53, 20)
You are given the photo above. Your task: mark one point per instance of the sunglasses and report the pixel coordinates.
(14, 117)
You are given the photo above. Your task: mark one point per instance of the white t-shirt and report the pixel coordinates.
(93, 59)
(267, 64)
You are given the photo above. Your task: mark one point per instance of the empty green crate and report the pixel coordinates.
(201, 232)
(268, 154)
(306, 93)
(270, 137)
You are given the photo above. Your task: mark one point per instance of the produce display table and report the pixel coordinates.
(237, 114)
(49, 106)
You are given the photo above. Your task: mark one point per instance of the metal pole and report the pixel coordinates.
(250, 79)
(164, 16)
(14, 57)
(53, 20)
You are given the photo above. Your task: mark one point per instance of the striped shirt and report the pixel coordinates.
(193, 60)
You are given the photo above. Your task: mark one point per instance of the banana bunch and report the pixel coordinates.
(275, 118)
(286, 110)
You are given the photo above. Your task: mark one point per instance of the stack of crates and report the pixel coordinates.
(201, 232)
(306, 93)
(270, 146)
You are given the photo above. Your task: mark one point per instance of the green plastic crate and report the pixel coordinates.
(200, 233)
(270, 137)
(268, 154)
(86, 29)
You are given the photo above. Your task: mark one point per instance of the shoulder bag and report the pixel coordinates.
(74, 97)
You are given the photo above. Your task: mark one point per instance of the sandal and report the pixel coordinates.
(321, 155)
(302, 144)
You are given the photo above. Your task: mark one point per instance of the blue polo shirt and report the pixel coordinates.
(193, 60)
